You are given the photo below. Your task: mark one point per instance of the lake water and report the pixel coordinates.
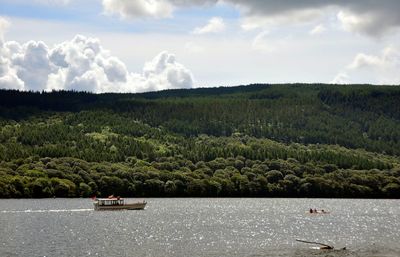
(200, 227)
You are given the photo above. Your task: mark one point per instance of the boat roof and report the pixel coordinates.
(109, 199)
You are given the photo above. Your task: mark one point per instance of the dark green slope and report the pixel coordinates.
(256, 140)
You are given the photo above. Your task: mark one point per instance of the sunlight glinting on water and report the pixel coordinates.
(200, 227)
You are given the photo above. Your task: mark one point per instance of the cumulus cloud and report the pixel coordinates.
(380, 69)
(388, 59)
(163, 72)
(374, 18)
(32, 64)
(8, 75)
(148, 8)
(139, 8)
(83, 64)
(363, 60)
(214, 25)
(341, 78)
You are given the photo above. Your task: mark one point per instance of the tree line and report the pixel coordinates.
(179, 177)
(258, 140)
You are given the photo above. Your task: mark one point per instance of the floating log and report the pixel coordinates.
(323, 246)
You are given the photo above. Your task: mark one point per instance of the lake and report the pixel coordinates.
(200, 227)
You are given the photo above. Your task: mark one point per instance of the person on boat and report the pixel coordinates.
(311, 211)
(323, 211)
(315, 211)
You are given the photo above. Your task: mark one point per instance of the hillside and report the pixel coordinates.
(257, 140)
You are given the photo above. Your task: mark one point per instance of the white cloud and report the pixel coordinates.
(341, 78)
(4, 24)
(363, 60)
(320, 28)
(214, 25)
(8, 75)
(256, 21)
(139, 8)
(83, 64)
(388, 59)
(32, 64)
(11, 81)
(52, 2)
(163, 72)
(148, 8)
(379, 69)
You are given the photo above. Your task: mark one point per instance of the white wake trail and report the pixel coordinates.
(46, 211)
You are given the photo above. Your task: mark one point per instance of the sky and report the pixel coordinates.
(148, 45)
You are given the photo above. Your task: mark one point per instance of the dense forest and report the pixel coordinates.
(259, 140)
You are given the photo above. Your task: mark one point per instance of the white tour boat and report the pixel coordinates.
(116, 203)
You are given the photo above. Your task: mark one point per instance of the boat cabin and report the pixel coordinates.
(116, 203)
(110, 201)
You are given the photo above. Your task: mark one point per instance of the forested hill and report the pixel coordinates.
(257, 140)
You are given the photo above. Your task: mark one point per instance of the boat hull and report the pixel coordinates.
(131, 206)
